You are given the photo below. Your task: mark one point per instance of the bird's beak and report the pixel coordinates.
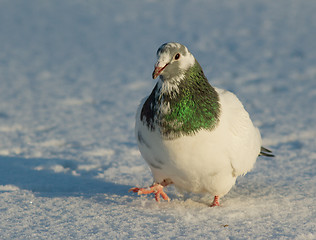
(158, 69)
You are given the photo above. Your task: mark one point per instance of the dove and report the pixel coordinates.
(195, 136)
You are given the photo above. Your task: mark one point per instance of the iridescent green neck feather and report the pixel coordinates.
(194, 106)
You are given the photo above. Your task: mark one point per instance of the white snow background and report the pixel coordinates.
(72, 73)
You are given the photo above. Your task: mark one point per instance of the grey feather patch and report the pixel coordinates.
(141, 140)
(154, 165)
(159, 161)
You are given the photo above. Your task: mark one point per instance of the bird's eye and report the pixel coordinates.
(177, 56)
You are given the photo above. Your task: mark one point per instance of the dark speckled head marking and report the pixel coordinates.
(172, 49)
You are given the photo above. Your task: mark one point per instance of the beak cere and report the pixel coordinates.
(158, 70)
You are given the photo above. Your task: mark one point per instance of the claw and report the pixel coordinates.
(215, 202)
(156, 188)
(165, 196)
(134, 189)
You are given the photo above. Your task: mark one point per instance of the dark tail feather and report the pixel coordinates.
(265, 152)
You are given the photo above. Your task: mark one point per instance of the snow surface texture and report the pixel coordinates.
(71, 76)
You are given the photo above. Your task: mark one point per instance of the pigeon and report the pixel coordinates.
(193, 135)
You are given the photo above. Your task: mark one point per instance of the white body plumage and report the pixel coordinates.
(208, 161)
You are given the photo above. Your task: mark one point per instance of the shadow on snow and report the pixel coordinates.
(25, 174)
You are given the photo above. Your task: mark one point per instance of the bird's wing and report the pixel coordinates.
(244, 140)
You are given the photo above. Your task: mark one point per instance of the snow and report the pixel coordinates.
(72, 74)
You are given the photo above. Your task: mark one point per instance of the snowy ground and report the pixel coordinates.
(71, 76)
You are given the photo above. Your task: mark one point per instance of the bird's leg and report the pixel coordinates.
(215, 201)
(156, 188)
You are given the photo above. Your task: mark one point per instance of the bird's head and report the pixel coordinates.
(173, 59)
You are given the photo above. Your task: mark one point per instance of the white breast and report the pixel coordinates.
(208, 161)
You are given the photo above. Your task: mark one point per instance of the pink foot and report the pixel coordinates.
(215, 202)
(156, 188)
